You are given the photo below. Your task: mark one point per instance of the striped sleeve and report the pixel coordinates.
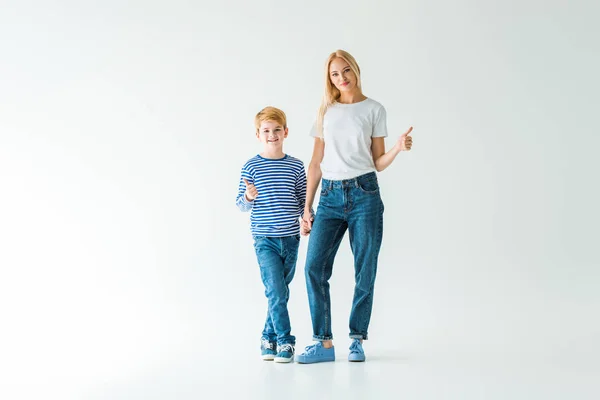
(240, 201)
(301, 189)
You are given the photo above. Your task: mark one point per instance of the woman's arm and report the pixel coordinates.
(313, 178)
(382, 159)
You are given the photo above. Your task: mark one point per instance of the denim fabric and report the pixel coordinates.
(354, 205)
(277, 260)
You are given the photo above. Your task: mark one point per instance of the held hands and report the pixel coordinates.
(251, 192)
(306, 222)
(304, 229)
(405, 140)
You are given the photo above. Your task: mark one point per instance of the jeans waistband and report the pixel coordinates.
(352, 182)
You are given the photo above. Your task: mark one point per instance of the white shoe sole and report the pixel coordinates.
(283, 360)
(268, 357)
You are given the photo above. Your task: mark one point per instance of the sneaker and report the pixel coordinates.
(316, 353)
(356, 351)
(285, 353)
(267, 349)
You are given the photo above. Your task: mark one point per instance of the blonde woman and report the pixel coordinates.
(348, 150)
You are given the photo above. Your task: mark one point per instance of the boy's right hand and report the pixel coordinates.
(251, 192)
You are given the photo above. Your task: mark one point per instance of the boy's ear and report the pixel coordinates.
(257, 134)
(285, 132)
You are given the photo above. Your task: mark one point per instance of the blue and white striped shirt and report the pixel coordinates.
(281, 187)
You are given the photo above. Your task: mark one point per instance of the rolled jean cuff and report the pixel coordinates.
(322, 338)
(359, 336)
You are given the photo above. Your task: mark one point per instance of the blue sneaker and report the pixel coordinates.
(285, 353)
(267, 349)
(356, 351)
(316, 353)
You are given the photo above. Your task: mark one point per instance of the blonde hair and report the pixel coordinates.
(270, 114)
(332, 94)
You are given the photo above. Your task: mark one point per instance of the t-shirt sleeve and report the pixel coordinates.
(380, 126)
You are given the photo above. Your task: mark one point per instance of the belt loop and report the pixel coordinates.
(356, 182)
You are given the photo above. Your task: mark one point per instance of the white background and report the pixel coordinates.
(128, 272)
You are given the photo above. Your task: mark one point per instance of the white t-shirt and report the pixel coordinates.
(347, 130)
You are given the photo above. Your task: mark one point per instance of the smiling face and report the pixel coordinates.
(271, 134)
(342, 76)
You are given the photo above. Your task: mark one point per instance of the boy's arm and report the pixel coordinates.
(301, 191)
(241, 201)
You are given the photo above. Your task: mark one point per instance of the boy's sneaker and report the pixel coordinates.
(316, 353)
(285, 353)
(356, 351)
(267, 350)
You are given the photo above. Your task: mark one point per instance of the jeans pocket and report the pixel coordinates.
(257, 239)
(369, 186)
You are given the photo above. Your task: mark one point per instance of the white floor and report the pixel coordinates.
(385, 375)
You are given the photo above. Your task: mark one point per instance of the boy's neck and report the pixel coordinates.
(272, 154)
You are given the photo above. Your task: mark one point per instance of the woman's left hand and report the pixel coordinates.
(405, 140)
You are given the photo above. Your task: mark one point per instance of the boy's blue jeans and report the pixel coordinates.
(354, 205)
(277, 260)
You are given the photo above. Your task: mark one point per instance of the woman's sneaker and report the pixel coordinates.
(356, 351)
(267, 350)
(285, 353)
(316, 353)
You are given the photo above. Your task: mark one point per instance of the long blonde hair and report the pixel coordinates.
(332, 94)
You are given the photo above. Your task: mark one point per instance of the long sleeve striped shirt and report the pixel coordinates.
(281, 187)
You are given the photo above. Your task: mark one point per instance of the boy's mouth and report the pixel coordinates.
(273, 140)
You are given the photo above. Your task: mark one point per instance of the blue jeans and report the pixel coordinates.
(277, 260)
(354, 205)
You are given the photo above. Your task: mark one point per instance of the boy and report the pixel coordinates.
(273, 188)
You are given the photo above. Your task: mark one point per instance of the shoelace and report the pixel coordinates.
(311, 349)
(286, 347)
(356, 347)
(266, 344)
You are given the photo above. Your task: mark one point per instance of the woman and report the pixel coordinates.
(349, 148)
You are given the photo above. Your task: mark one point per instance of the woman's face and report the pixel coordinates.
(341, 75)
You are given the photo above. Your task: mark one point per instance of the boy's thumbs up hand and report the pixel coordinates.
(251, 192)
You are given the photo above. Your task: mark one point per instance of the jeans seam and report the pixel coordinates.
(322, 286)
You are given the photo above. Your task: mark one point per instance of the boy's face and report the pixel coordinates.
(271, 134)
